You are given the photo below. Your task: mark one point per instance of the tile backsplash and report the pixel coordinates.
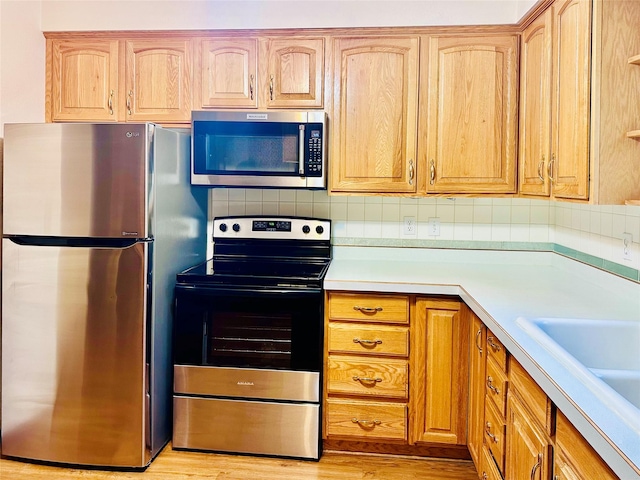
(593, 230)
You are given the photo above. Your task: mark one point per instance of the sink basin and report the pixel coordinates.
(603, 344)
(602, 354)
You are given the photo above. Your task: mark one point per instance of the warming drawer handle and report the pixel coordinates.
(366, 423)
(366, 379)
(367, 309)
(367, 342)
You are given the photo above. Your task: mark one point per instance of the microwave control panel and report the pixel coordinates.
(314, 159)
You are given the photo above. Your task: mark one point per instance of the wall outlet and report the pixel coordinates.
(434, 227)
(409, 226)
(627, 241)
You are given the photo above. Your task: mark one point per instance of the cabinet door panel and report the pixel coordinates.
(535, 107)
(439, 376)
(571, 107)
(84, 80)
(527, 449)
(295, 72)
(471, 139)
(229, 73)
(158, 86)
(477, 365)
(375, 114)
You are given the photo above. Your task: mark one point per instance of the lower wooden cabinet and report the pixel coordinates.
(439, 372)
(574, 458)
(396, 370)
(477, 369)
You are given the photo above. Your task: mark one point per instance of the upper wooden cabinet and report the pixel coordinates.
(119, 80)
(260, 72)
(227, 73)
(469, 114)
(158, 80)
(579, 98)
(82, 80)
(534, 152)
(375, 114)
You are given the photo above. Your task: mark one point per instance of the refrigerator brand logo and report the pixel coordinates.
(248, 384)
(133, 134)
(129, 234)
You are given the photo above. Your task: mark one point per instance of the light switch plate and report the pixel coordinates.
(627, 245)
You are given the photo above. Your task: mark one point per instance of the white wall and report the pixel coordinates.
(238, 14)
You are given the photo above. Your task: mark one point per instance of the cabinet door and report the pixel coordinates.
(527, 448)
(373, 136)
(439, 373)
(472, 114)
(535, 107)
(571, 93)
(83, 80)
(228, 73)
(294, 72)
(158, 80)
(477, 366)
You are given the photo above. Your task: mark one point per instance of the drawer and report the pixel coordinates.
(496, 386)
(375, 376)
(368, 339)
(488, 468)
(369, 308)
(496, 350)
(494, 433)
(532, 395)
(366, 421)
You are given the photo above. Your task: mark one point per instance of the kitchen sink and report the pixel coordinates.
(603, 354)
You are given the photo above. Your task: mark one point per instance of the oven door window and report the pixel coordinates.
(246, 148)
(249, 329)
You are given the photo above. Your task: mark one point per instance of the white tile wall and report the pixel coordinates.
(591, 229)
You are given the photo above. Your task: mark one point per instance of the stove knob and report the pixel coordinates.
(319, 229)
(306, 229)
(223, 227)
(236, 227)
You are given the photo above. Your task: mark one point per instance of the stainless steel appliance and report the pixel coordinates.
(98, 219)
(259, 149)
(248, 339)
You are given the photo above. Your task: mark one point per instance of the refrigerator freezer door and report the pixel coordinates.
(73, 352)
(77, 180)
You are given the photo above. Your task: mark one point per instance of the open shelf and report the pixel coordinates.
(635, 60)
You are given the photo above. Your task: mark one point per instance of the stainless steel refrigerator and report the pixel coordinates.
(98, 219)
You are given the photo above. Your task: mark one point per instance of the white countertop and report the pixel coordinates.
(500, 286)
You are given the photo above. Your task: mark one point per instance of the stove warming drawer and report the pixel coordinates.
(247, 383)
(244, 426)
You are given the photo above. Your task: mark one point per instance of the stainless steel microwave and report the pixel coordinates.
(259, 149)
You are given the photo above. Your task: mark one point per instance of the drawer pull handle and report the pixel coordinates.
(493, 345)
(367, 309)
(491, 435)
(485, 476)
(536, 466)
(366, 379)
(366, 423)
(366, 343)
(491, 386)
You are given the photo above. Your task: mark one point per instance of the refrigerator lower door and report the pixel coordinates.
(73, 346)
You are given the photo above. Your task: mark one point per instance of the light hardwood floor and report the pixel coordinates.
(174, 465)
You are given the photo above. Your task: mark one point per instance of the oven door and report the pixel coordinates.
(277, 329)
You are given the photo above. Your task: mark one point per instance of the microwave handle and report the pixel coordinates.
(301, 149)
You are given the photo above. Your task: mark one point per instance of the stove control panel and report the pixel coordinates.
(272, 227)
